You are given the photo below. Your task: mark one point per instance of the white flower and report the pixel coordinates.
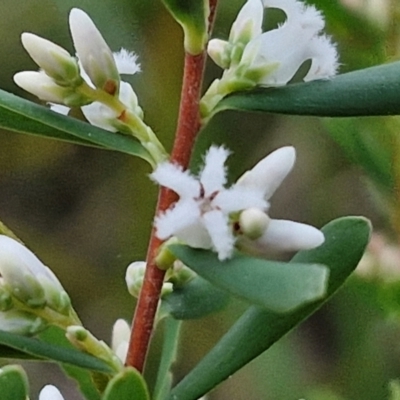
(204, 216)
(250, 57)
(50, 392)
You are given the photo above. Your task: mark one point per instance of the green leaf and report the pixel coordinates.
(277, 286)
(52, 352)
(192, 15)
(168, 357)
(127, 385)
(23, 116)
(370, 91)
(13, 383)
(258, 329)
(195, 299)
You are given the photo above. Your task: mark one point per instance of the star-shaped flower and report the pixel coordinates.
(207, 214)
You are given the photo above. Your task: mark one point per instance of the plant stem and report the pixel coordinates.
(187, 129)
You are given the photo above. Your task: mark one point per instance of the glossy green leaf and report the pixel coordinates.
(127, 385)
(23, 116)
(195, 299)
(258, 329)
(48, 351)
(13, 383)
(366, 92)
(277, 286)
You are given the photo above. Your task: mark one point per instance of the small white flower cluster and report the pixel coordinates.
(210, 216)
(50, 392)
(31, 296)
(252, 57)
(90, 81)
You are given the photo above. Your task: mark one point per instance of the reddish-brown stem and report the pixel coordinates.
(187, 129)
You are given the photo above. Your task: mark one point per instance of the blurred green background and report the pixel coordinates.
(87, 213)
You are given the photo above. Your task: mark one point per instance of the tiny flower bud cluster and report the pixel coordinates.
(250, 57)
(210, 216)
(31, 297)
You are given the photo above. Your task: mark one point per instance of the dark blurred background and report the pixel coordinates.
(87, 213)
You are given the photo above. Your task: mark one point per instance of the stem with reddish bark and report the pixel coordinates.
(187, 129)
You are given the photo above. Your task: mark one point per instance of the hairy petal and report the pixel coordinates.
(173, 177)
(213, 175)
(218, 227)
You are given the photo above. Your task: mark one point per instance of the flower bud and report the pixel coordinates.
(85, 341)
(25, 276)
(50, 392)
(93, 52)
(53, 59)
(134, 277)
(253, 223)
(41, 85)
(120, 338)
(219, 51)
(21, 322)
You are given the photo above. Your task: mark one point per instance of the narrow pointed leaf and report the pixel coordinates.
(366, 92)
(258, 329)
(52, 352)
(23, 116)
(127, 385)
(13, 383)
(277, 286)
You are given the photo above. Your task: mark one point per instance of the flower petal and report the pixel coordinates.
(185, 213)
(239, 198)
(172, 177)
(268, 174)
(213, 175)
(100, 115)
(217, 225)
(126, 62)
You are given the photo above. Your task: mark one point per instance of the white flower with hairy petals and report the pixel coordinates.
(204, 216)
(50, 392)
(251, 57)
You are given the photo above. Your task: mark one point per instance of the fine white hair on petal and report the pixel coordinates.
(324, 58)
(213, 174)
(218, 227)
(282, 235)
(239, 198)
(184, 213)
(173, 177)
(50, 392)
(126, 62)
(268, 174)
